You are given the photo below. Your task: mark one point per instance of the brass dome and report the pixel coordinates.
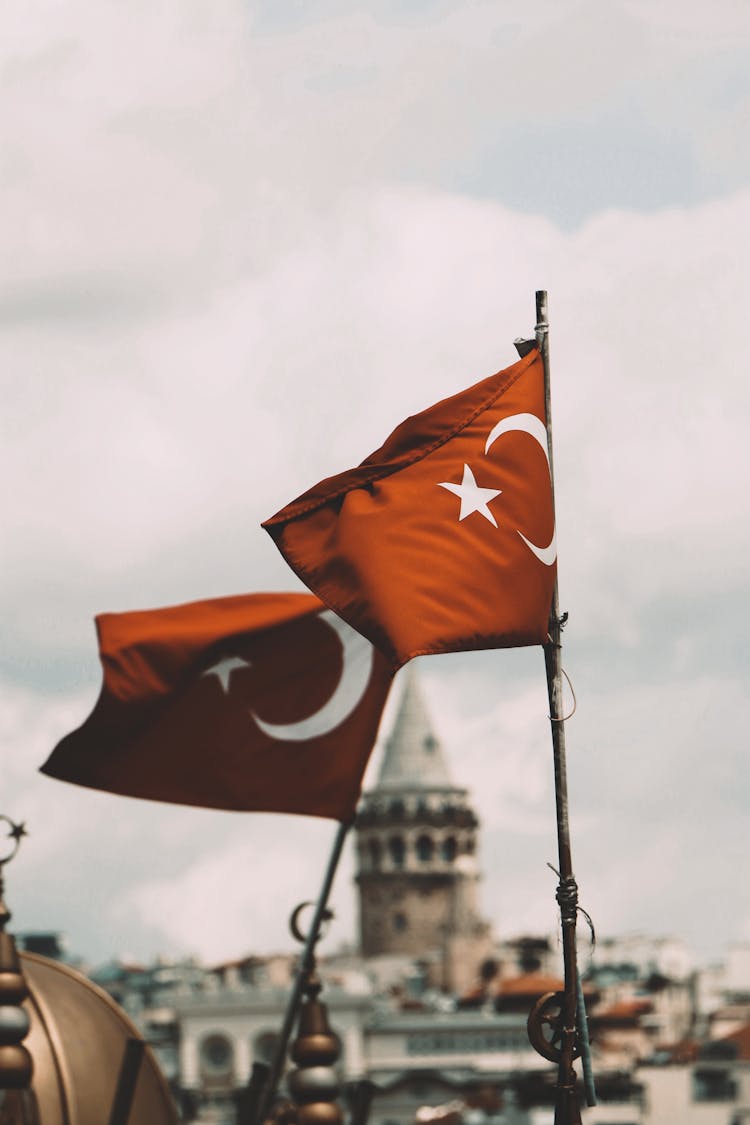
(90, 1061)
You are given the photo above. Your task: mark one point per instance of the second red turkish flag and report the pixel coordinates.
(257, 702)
(444, 538)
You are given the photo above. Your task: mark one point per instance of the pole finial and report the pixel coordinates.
(15, 1061)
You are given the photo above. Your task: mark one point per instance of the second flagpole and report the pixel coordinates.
(272, 1082)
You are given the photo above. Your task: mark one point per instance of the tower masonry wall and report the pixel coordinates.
(412, 914)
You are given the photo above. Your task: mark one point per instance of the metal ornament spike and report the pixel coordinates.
(295, 927)
(16, 1065)
(307, 964)
(314, 1085)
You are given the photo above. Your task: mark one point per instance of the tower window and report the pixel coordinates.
(448, 849)
(397, 807)
(425, 849)
(376, 854)
(397, 851)
(400, 922)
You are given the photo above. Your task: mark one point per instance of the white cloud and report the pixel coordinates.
(231, 267)
(170, 147)
(175, 437)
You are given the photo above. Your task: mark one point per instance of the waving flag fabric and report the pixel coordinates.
(444, 538)
(258, 702)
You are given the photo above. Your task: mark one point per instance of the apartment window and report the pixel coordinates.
(216, 1053)
(713, 1085)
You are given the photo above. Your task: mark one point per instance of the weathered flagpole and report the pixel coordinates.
(305, 964)
(566, 1107)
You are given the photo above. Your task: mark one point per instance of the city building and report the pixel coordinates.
(432, 1009)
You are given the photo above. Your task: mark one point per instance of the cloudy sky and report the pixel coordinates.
(240, 241)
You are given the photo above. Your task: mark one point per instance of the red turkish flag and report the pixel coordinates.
(444, 538)
(257, 702)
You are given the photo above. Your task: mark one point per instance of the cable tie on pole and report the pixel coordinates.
(567, 896)
(561, 622)
(579, 909)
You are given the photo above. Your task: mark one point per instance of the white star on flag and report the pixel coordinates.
(224, 669)
(472, 497)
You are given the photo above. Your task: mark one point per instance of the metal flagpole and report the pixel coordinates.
(566, 1107)
(303, 970)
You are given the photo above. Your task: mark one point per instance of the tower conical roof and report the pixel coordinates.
(413, 756)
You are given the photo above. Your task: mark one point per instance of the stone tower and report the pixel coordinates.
(417, 869)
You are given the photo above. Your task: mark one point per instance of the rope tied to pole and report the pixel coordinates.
(567, 899)
(579, 908)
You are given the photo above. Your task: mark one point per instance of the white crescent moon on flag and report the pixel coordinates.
(355, 676)
(528, 424)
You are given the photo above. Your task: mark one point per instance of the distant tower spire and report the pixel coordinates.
(413, 757)
(416, 835)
